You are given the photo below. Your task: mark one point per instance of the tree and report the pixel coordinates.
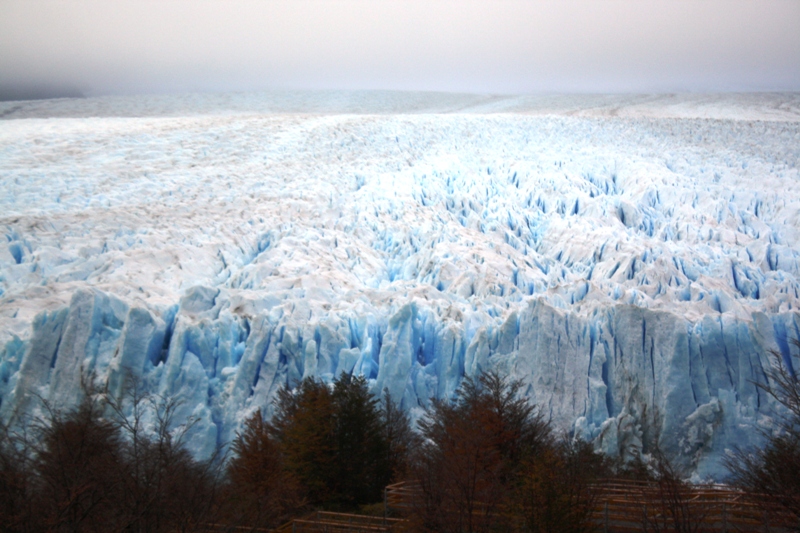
(334, 441)
(16, 491)
(554, 487)
(260, 492)
(95, 468)
(303, 427)
(164, 488)
(77, 461)
(471, 454)
(362, 467)
(400, 439)
(773, 472)
(672, 498)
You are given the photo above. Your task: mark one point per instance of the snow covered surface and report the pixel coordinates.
(632, 258)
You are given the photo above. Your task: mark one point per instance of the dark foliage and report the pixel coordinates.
(471, 455)
(773, 472)
(165, 489)
(400, 439)
(77, 464)
(554, 489)
(672, 499)
(260, 492)
(303, 427)
(338, 443)
(486, 461)
(17, 506)
(83, 471)
(361, 468)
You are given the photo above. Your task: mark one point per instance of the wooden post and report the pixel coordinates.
(385, 502)
(644, 516)
(605, 517)
(724, 518)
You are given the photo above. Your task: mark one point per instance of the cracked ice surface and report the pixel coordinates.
(632, 259)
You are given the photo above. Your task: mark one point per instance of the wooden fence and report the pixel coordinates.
(623, 506)
(627, 506)
(326, 522)
(401, 496)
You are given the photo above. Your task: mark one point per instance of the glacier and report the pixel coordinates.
(633, 259)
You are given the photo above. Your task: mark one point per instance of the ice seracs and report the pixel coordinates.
(632, 260)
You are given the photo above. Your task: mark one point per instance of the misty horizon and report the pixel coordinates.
(52, 49)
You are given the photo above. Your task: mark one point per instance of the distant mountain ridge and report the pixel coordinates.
(719, 106)
(11, 93)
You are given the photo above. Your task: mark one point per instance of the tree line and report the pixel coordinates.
(487, 460)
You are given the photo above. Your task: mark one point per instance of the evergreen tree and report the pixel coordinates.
(304, 428)
(335, 441)
(260, 492)
(361, 448)
(472, 449)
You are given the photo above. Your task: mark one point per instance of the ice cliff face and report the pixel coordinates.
(632, 263)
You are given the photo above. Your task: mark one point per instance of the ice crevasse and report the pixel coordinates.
(635, 272)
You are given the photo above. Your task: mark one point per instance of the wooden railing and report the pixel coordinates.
(627, 506)
(623, 505)
(327, 522)
(401, 496)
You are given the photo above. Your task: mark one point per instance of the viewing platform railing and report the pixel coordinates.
(627, 506)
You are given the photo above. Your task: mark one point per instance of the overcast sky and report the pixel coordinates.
(497, 46)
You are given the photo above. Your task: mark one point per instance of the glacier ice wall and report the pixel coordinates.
(635, 271)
